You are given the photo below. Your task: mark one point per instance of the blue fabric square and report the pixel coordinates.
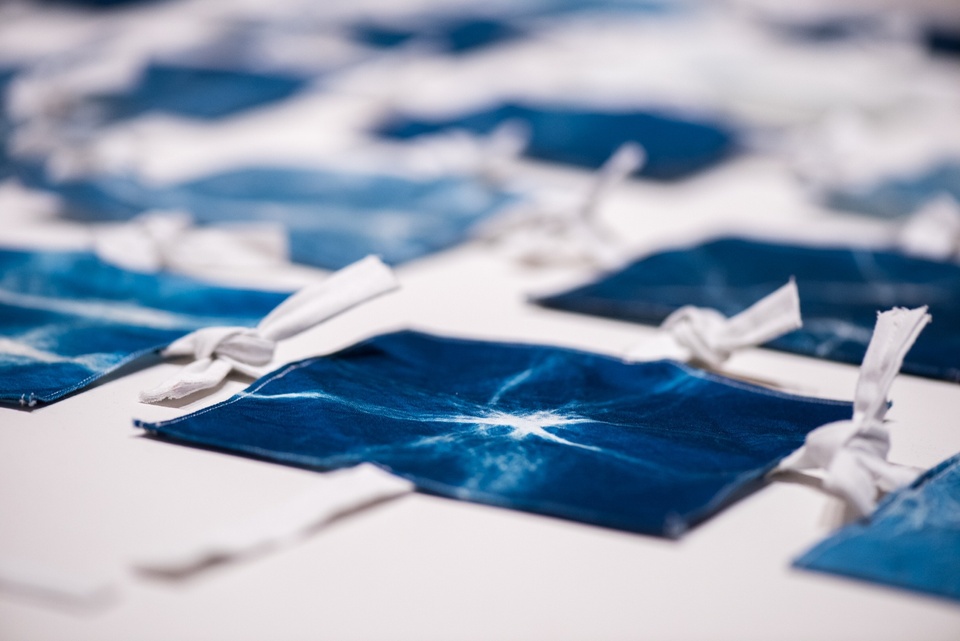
(841, 291)
(67, 319)
(333, 219)
(648, 447)
(912, 541)
(675, 147)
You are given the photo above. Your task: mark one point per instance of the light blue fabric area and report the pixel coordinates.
(900, 195)
(841, 291)
(646, 447)
(333, 219)
(912, 541)
(67, 319)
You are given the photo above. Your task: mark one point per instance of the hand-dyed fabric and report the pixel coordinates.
(911, 541)
(194, 92)
(648, 447)
(899, 196)
(841, 291)
(333, 219)
(450, 34)
(675, 147)
(67, 319)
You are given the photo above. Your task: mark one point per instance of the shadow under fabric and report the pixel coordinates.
(675, 147)
(648, 447)
(332, 218)
(841, 291)
(911, 541)
(68, 319)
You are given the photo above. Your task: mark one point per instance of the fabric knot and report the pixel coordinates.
(711, 338)
(219, 350)
(853, 453)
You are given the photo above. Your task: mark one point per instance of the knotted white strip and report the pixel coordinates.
(545, 235)
(933, 231)
(853, 453)
(709, 338)
(219, 350)
(168, 240)
(336, 494)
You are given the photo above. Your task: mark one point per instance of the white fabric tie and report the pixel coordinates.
(334, 495)
(853, 453)
(933, 231)
(710, 338)
(169, 240)
(219, 350)
(546, 235)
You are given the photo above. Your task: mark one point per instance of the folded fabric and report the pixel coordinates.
(675, 146)
(648, 447)
(911, 541)
(841, 291)
(67, 319)
(899, 195)
(333, 219)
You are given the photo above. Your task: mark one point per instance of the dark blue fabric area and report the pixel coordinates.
(333, 219)
(841, 291)
(942, 39)
(573, 135)
(649, 447)
(451, 34)
(899, 196)
(67, 319)
(912, 541)
(196, 92)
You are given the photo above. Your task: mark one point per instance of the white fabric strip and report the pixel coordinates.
(542, 235)
(219, 350)
(30, 578)
(707, 337)
(853, 453)
(168, 240)
(933, 231)
(458, 151)
(335, 495)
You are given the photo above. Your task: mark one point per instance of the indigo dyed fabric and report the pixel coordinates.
(841, 291)
(195, 92)
(67, 319)
(333, 219)
(568, 134)
(899, 196)
(647, 447)
(912, 541)
(450, 34)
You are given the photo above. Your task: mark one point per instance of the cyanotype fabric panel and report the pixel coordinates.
(675, 147)
(841, 291)
(912, 541)
(646, 447)
(333, 219)
(899, 196)
(67, 319)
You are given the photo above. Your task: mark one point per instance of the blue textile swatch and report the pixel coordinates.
(647, 447)
(333, 219)
(450, 34)
(899, 196)
(912, 541)
(574, 135)
(67, 319)
(841, 291)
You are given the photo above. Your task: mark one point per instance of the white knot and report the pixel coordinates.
(219, 350)
(168, 240)
(853, 453)
(710, 338)
(546, 235)
(933, 231)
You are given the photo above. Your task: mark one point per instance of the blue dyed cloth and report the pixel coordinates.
(450, 34)
(841, 291)
(899, 196)
(67, 319)
(333, 219)
(573, 135)
(912, 541)
(647, 447)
